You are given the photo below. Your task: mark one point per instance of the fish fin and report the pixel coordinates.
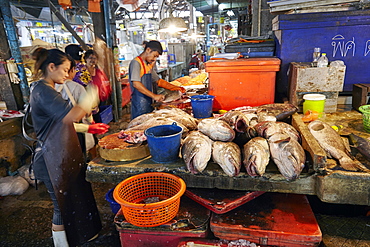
(250, 166)
(190, 164)
(283, 140)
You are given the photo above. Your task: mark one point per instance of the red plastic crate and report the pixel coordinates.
(271, 219)
(189, 242)
(221, 201)
(169, 234)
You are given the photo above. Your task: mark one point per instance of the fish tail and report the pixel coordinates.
(352, 165)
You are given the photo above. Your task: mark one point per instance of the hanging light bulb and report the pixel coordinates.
(172, 24)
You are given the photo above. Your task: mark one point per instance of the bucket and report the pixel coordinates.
(115, 206)
(164, 142)
(202, 105)
(365, 110)
(314, 102)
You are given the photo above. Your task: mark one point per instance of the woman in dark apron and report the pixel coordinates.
(144, 81)
(58, 160)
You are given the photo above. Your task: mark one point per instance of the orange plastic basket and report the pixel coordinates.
(131, 192)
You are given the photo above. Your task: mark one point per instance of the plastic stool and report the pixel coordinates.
(172, 58)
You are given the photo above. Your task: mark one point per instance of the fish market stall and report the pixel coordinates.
(320, 176)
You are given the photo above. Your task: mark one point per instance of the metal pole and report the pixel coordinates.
(66, 24)
(107, 17)
(116, 84)
(14, 48)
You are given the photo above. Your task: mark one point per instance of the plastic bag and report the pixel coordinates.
(26, 173)
(13, 185)
(103, 84)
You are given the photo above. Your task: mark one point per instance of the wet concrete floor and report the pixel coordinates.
(25, 221)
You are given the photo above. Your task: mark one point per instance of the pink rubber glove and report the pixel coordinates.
(98, 128)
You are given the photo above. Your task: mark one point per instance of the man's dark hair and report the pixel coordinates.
(154, 45)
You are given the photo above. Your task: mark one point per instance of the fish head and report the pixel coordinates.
(241, 124)
(289, 154)
(316, 126)
(266, 129)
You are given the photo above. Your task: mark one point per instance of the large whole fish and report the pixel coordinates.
(196, 151)
(175, 114)
(140, 119)
(228, 156)
(264, 115)
(170, 96)
(287, 154)
(217, 130)
(155, 121)
(256, 156)
(268, 128)
(279, 110)
(236, 119)
(179, 116)
(290, 130)
(333, 144)
(252, 119)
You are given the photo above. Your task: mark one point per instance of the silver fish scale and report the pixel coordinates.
(288, 155)
(228, 156)
(196, 151)
(217, 130)
(256, 154)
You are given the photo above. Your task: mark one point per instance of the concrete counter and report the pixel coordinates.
(332, 186)
(335, 187)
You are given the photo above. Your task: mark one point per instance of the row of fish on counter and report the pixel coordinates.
(264, 137)
(249, 136)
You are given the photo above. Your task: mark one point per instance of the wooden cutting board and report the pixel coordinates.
(112, 148)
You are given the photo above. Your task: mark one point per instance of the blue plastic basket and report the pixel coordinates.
(115, 206)
(105, 114)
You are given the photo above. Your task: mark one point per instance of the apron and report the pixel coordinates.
(59, 158)
(140, 103)
(67, 172)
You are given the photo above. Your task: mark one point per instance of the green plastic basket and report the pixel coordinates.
(365, 110)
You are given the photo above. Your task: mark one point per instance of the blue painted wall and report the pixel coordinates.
(341, 35)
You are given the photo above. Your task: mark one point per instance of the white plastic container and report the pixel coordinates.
(323, 61)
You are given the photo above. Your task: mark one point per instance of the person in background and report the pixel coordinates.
(58, 160)
(196, 60)
(144, 80)
(99, 78)
(72, 91)
(83, 75)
